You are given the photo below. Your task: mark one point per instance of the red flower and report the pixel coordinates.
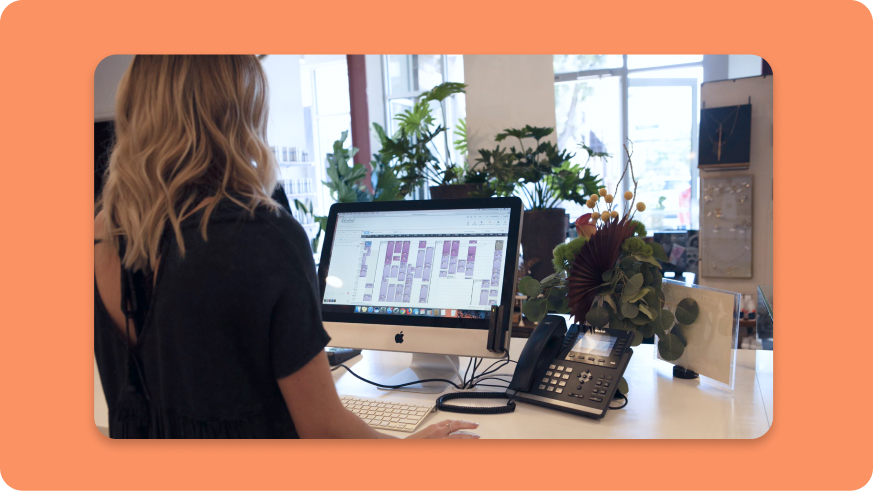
(584, 227)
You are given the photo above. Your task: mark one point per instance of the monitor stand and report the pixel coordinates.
(426, 366)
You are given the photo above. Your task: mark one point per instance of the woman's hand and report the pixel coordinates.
(449, 428)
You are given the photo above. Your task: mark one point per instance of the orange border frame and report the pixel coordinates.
(820, 52)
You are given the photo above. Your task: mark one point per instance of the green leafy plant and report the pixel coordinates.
(412, 149)
(610, 277)
(346, 183)
(542, 175)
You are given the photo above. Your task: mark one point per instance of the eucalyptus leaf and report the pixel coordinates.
(670, 347)
(640, 294)
(641, 319)
(663, 323)
(622, 386)
(617, 323)
(530, 287)
(631, 287)
(657, 279)
(677, 330)
(535, 309)
(629, 310)
(564, 308)
(651, 299)
(647, 259)
(638, 338)
(557, 294)
(687, 311)
(658, 252)
(626, 262)
(647, 276)
(647, 329)
(608, 299)
(597, 316)
(607, 275)
(647, 312)
(550, 281)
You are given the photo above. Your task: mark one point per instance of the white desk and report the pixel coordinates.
(660, 406)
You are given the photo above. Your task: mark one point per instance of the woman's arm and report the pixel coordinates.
(317, 411)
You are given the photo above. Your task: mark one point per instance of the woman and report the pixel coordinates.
(207, 318)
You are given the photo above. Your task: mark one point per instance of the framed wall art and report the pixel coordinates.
(726, 227)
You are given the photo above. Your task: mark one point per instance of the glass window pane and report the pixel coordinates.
(646, 61)
(412, 73)
(455, 68)
(589, 111)
(687, 72)
(332, 89)
(659, 126)
(577, 63)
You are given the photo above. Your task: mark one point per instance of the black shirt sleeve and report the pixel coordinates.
(296, 331)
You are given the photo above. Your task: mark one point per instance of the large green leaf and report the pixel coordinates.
(640, 294)
(622, 386)
(663, 323)
(626, 262)
(608, 299)
(631, 287)
(564, 307)
(670, 347)
(647, 330)
(597, 316)
(629, 310)
(607, 275)
(535, 309)
(687, 311)
(557, 294)
(638, 338)
(648, 313)
(647, 259)
(658, 252)
(530, 287)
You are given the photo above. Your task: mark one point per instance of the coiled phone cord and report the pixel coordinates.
(508, 408)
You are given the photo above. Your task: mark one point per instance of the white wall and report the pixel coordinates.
(106, 77)
(740, 66)
(733, 92)
(507, 91)
(286, 127)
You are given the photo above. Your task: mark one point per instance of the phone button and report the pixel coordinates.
(542, 386)
(568, 370)
(549, 374)
(560, 369)
(562, 383)
(595, 399)
(550, 388)
(565, 376)
(558, 391)
(553, 381)
(606, 384)
(551, 367)
(545, 380)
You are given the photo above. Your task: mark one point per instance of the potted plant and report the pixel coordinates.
(414, 152)
(544, 177)
(609, 276)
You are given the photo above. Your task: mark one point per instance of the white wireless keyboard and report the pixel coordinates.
(387, 415)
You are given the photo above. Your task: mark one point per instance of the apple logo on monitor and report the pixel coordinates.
(398, 338)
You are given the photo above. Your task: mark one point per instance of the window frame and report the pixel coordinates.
(625, 82)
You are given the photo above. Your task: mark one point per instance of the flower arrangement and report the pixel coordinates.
(610, 276)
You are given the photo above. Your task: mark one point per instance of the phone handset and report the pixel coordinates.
(544, 344)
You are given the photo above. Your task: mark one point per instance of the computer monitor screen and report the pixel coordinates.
(392, 272)
(425, 263)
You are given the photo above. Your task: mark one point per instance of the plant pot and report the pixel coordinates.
(541, 232)
(454, 191)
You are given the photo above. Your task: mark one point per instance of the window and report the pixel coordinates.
(408, 76)
(650, 100)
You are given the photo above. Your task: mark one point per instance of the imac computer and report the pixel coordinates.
(434, 278)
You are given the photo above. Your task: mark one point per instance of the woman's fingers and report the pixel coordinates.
(448, 429)
(463, 435)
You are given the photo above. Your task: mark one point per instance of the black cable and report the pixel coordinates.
(623, 397)
(400, 385)
(442, 406)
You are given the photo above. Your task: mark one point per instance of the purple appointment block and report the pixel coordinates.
(393, 272)
(401, 276)
(422, 244)
(368, 298)
(390, 292)
(428, 257)
(461, 264)
(447, 247)
(442, 274)
(483, 297)
(456, 245)
(493, 293)
(406, 247)
(398, 247)
(423, 296)
(425, 276)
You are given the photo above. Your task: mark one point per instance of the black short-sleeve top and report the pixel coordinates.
(223, 323)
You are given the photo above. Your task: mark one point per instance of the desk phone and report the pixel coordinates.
(575, 370)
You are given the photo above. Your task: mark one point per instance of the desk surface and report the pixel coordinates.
(660, 406)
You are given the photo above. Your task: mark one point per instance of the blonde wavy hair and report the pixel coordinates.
(186, 128)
